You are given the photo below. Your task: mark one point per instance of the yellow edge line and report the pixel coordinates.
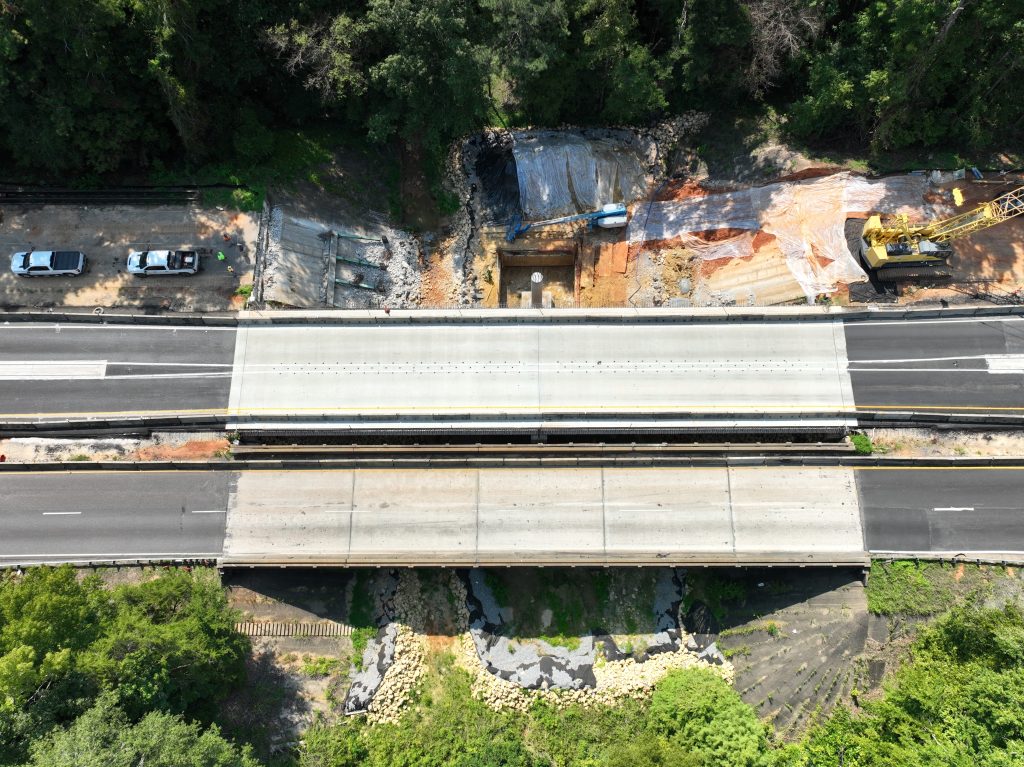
(240, 469)
(745, 409)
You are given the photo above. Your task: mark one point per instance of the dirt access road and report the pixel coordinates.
(106, 235)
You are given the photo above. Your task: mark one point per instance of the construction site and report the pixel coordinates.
(554, 219)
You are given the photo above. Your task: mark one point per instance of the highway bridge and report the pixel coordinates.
(484, 375)
(686, 514)
(480, 375)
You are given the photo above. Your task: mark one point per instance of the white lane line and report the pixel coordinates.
(922, 359)
(91, 328)
(209, 511)
(995, 364)
(145, 376)
(59, 513)
(853, 325)
(170, 364)
(953, 508)
(1005, 363)
(52, 370)
(923, 370)
(107, 556)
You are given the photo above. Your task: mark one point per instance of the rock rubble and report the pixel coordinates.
(514, 675)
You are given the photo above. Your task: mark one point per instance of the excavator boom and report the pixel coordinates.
(927, 245)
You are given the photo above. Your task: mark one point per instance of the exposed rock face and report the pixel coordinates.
(513, 675)
(393, 660)
(510, 673)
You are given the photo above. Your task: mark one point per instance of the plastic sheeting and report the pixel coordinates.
(562, 174)
(808, 219)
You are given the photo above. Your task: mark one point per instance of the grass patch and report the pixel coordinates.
(244, 290)
(769, 627)
(320, 667)
(742, 651)
(362, 616)
(862, 444)
(905, 588)
(79, 457)
(360, 639)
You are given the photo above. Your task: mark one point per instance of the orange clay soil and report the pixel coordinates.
(194, 450)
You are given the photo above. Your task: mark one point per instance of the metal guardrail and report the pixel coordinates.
(56, 426)
(858, 559)
(514, 316)
(757, 461)
(547, 450)
(128, 195)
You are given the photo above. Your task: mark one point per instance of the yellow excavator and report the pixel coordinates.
(895, 250)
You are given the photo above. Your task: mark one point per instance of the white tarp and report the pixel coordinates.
(808, 218)
(562, 174)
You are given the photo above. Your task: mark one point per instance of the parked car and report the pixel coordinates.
(48, 263)
(148, 263)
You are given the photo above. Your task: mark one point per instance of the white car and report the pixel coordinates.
(48, 263)
(147, 263)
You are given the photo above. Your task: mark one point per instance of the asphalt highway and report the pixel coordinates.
(77, 517)
(974, 365)
(81, 517)
(110, 369)
(471, 370)
(942, 510)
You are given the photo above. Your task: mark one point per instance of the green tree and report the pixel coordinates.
(959, 702)
(104, 737)
(46, 615)
(72, 99)
(917, 73)
(172, 646)
(697, 710)
(429, 69)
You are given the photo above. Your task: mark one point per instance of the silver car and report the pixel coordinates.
(48, 263)
(147, 263)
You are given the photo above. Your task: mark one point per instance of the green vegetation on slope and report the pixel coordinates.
(90, 88)
(134, 674)
(959, 702)
(911, 588)
(66, 644)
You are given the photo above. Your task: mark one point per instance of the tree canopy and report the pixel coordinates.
(166, 645)
(113, 86)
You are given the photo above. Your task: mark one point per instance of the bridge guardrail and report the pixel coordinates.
(470, 462)
(520, 316)
(509, 423)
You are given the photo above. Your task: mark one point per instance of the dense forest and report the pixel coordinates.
(95, 674)
(93, 87)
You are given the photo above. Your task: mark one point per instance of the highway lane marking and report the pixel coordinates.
(209, 511)
(91, 327)
(144, 376)
(922, 359)
(953, 508)
(837, 467)
(853, 324)
(1005, 363)
(112, 557)
(52, 370)
(929, 370)
(172, 364)
(745, 409)
(59, 513)
(995, 364)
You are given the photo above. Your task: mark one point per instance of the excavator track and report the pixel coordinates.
(898, 274)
